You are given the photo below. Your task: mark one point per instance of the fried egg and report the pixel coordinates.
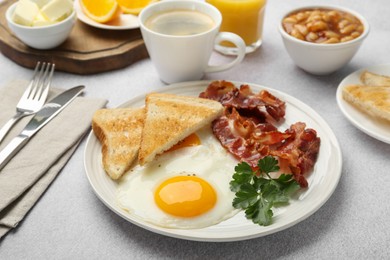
(184, 188)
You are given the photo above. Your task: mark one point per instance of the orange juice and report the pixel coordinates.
(242, 17)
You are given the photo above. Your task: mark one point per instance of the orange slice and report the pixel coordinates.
(101, 11)
(134, 6)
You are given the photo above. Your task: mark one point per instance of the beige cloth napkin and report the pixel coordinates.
(29, 173)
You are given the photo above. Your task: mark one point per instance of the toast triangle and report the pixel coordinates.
(119, 131)
(373, 79)
(372, 100)
(171, 118)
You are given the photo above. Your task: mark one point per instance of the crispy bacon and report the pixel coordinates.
(235, 144)
(244, 100)
(245, 126)
(274, 106)
(217, 89)
(245, 131)
(235, 134)
(300, 150)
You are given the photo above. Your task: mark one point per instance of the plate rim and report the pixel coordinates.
(344, 106)
(168, 232)
(83, 18)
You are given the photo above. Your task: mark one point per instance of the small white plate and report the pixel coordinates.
(375, 128)
(322, 181)
(123, 22)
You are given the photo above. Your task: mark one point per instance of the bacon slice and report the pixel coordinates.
(235, 134)
(217, 89)
(246, 132)
(300, 150)
(244, 100)
(306, 143)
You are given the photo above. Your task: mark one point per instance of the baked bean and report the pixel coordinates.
(315, 12)
(297, 34)
(302, 29)
(346, 38)
(323, 26)
(332, 34)
(355, 34)
(290, 20)
(348, 29)
(343, 23)
(333, 14)
(313, 18)
(332, 40)
(301, 16)
(326, 17)
(312, 37)
(318, 26)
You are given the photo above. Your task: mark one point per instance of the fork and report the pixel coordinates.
(34, 97)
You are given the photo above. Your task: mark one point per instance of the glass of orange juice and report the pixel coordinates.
(242, 17)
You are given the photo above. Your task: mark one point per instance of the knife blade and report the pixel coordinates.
(40, 119)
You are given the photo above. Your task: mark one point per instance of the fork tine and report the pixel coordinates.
(42, 82)
(33, 97)
(37, 81)
(27, 92)
(47, 83)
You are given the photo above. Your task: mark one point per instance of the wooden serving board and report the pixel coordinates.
(88, 50)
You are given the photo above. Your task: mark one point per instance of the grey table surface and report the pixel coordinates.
(69, 221)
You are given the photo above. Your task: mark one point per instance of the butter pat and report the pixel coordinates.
(40, 20)
(57, 10)
(41, 3)
(25, 12)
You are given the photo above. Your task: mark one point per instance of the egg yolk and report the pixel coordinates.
(185, 196)
(191, 140)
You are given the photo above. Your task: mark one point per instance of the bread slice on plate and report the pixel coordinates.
(373, 100)
(372, 79)
(171, 118)
(119, 131)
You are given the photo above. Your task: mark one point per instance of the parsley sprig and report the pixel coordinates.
(257, 192)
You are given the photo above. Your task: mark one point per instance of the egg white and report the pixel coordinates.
(209, 161)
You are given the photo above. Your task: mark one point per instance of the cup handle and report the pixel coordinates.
(236, 40)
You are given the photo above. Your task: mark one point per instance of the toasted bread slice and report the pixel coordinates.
(373, 100)
(119, 131)
(372, 79)
(171, 118)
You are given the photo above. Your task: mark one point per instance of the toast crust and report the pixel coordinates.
(373, 100)
(372, 79)
(119, 131)
(170, 118)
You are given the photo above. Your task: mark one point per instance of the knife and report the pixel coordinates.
(41, 118)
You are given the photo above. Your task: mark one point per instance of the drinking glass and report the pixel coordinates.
(244, 18)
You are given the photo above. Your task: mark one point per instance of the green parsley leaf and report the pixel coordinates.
(243, 175)
(287, 184)
(268, 164)
(256, 192)
(260, 213)
(245, 197)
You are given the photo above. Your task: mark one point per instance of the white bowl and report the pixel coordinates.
(321, 58)
(43, 37)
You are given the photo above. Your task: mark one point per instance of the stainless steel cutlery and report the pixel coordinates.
(34, 96)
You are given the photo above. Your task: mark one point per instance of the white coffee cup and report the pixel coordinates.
(185, 58)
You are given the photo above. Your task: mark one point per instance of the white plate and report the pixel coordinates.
(375, 128)
(123, 22)
(322, 181)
